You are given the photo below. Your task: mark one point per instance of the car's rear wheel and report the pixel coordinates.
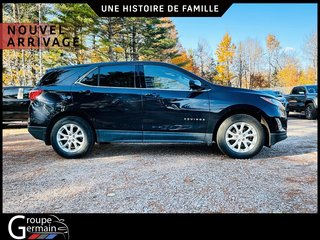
(310, 111)
(72, 137)
(240, 136)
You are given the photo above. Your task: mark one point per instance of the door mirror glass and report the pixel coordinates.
(195, 85)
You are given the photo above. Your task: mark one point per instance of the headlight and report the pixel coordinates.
(273, 101)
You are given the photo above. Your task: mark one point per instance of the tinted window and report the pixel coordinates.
(26, 92)
(91, 78)
(117, 76)
(296, 90)
(10, 93)
(165, 78)
(67, 75)
(312, 89)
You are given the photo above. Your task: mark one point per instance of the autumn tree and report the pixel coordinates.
(290, 74)
(254, 59)
(307, 76)
(240, 63)
(273, 51)
(311, 52)
(225, 53)
(183, 59)
(23, 66)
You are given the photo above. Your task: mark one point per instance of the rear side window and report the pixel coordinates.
(66, 76)
(117, 76)
(10, 93)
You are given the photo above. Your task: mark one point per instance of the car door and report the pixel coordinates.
(25, 102)
(108, 95)
(14, 104)
(171, 111)
(297, 98)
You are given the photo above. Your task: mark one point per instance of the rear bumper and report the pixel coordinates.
(38, 132)
(277, 137)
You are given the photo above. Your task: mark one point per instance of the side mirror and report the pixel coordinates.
(301, 93)
(195, 85)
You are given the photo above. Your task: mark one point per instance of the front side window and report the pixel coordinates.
(117, 76)
(165, 78)
(295, 90)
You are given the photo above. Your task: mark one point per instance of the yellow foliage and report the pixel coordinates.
(308, 76)
(272, 42)
(225, 53)
(185, 61)
(289, 75)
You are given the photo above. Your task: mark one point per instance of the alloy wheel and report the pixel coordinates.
(241, 137)
(70, 138)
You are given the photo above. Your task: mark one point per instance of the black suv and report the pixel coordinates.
(15, 103)
(304, 98)
(133, 102)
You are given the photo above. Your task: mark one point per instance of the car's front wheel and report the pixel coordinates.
(72, 137)
(240, 136)
(311, 111)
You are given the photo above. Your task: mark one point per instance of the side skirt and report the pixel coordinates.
(152, 137)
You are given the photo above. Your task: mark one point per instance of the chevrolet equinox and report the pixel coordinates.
(73, 107)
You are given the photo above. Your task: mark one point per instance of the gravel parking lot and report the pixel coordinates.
(161, 177)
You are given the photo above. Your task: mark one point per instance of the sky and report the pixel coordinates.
(290, 23)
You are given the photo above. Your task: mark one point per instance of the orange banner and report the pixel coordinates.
(35, 36)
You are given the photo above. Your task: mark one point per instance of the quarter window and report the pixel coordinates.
(117, 76)
(91, 78)
(165, 78)
(56, 76)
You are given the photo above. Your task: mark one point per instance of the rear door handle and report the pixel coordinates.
(87, 92)
(150, 95)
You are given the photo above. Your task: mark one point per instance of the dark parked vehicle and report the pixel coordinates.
(279, 95)
(304, 98)
(15, 103)
(75, 106)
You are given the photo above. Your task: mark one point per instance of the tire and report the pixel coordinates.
(254, 136)
(79, 144)
(310, 111)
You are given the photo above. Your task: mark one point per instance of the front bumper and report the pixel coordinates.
(38, 132)
(277, 137)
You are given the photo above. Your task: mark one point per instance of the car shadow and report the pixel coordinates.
(115, 149)
(14, 125)
(172, 150)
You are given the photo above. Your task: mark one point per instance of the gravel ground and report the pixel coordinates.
(161, 177)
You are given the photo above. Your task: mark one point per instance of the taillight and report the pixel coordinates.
(33, 94)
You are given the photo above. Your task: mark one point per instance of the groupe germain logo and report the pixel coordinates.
(51, 227)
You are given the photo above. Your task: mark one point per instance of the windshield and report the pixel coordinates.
(312, 89)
